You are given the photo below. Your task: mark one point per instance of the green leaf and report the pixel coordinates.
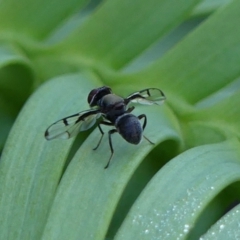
(208, 6)
(172, 202)
(5, 125)
(196, 65)
(88, 193)
(35, 19)
(16, 80)
(119, 30)
(30, 166)
(201, 64)
(226, 228)
(215, 123)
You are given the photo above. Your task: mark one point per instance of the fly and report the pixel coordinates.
(111, 110)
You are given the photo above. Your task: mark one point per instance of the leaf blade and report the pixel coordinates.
(133, 20)
(43, 19)
(30, 166)
(204, 55)
(199, 175)
(75, 199)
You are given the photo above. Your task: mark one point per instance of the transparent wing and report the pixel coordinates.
(147, 96)
(72, 125)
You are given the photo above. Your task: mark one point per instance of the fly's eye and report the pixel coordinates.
(96, 94)
(91, 96)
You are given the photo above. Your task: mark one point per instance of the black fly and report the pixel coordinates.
(113, 111)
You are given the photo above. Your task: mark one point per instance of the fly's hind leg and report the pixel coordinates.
(110, 144)
(144, 125)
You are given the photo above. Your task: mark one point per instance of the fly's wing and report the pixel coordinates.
(147, 96)
(70, 126)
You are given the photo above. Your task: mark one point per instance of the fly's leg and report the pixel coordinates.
(130, 109)
(101, 131)
(144, 125)
(149, 140)
(110, 144)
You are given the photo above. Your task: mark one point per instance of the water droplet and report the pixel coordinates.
(222, 226)
(189, 192)
(186, 228)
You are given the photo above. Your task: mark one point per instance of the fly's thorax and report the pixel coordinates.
(110, 100)
(129, 127)
(112, 106)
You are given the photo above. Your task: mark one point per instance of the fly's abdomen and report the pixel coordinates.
(130, 128)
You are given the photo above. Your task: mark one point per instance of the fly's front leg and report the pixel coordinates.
(144, 125)
(110, 144)
(101, 131)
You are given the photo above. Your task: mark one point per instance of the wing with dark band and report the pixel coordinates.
(147, 96)
(70, 126)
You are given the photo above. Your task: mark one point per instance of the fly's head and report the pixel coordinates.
(97, 94)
